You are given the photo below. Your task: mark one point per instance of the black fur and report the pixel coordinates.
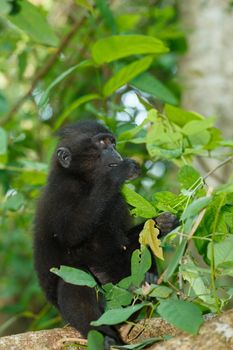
(82, 221)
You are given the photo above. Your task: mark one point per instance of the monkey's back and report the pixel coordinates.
(47, 251)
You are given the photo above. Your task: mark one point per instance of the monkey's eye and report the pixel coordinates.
(113, 141)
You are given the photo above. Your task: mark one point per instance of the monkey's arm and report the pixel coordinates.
(82, 219)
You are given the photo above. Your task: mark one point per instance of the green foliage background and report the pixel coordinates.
(62, 62)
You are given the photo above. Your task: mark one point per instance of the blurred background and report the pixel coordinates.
(39, 41)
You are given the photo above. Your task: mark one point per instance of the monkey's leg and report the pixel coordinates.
(79, 306)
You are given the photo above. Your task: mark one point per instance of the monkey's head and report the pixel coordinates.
(86, 147)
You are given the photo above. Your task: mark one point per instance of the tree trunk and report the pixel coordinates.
(206, 71)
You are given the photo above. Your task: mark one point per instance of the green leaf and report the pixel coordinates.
(3, 141)
(160, 152)
(125, 283)
(226, 143)
(142, 208)
(127, 21)
(162, 140)
(175, 260)
(117, 297)
(74, 276)
(116, 316)
(140, 264)
(191, 273)
(95, 340)
(87, 4)
(81, 100)
(188, 176)
(31, 21)
(215, 139)
(129, 134)
(195, 127)
(3, 105)
(181, 314)
(223, 251)
(228, 187)
(147, 83)
(195, 207)
(125, 74)
(34, 166)
(180, 116)
(165, 201)
(201, 138)
(44, 97)
(14, 202)
(5, 7)
(106, 14)
(118, 46)
(160, 292)
(213, 221)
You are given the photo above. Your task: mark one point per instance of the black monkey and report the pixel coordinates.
(82, 221)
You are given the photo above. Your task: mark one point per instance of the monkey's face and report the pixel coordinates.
(106, 143)
(82, 154)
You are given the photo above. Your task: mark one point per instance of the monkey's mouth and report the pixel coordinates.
(112, 165)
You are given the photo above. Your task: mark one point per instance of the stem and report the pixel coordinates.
(212, 261)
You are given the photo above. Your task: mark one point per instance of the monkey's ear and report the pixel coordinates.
(64, 156)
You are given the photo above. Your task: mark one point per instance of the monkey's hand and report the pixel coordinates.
(132, 169)
(128, 169)
(166, 222)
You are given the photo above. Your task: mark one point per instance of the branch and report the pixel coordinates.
(217, 167)
(216, 333)
(44, 70)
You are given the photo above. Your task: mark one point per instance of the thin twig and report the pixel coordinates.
(61, 343)
(43, 71)
(217, 167)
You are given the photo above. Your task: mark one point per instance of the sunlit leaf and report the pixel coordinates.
(188, 176)
(195, 126)
(141, 206)
(180, 116)
(118, 46)
(125, 74)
